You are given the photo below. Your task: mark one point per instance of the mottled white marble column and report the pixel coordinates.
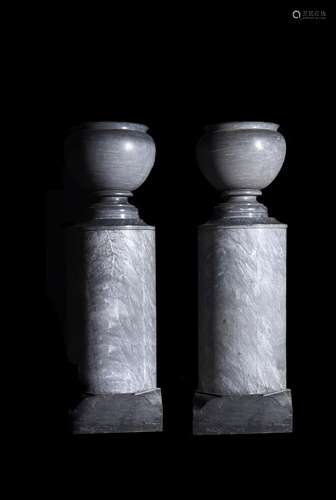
(242, 287)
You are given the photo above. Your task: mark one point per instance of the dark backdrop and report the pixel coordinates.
(177, 75)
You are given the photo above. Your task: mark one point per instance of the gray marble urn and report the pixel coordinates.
(111, 295)
(110, 160)
(242, 287)
(240, 159)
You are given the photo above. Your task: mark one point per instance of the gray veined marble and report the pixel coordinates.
(109, 155)
(243, 414)
(110, 160)
(242, 309)
(111, 295)
(241, 155)
(115, 280)
(242, 287)
(109, 413)
(239, 159)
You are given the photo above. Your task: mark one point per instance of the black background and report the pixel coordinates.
(177, 71)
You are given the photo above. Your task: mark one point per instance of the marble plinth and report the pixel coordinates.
(112, 326)
(112, 321)
(118, 413)
(243, 414)
(242, 330)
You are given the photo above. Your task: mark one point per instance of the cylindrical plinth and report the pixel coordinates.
(111, 303)
(242, 309)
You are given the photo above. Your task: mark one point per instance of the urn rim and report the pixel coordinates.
(244, 125)
(108, 125)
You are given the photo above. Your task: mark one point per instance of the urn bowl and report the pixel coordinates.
(241, 155)
(104, 156)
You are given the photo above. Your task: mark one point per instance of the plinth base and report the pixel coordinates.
(116, 413)
(243, 414)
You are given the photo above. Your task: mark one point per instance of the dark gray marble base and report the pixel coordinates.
(116, 413)
(242, 414)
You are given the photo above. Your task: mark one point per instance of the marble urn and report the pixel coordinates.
(111, 293)
(242, 286)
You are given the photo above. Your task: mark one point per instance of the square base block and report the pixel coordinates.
(242, 414)
(116, 413)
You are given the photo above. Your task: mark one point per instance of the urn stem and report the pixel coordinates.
(240, 203)
(113, 205)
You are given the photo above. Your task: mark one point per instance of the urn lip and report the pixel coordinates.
(245, 125)
(106, 125)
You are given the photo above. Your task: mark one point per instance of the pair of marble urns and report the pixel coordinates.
(111, 296)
